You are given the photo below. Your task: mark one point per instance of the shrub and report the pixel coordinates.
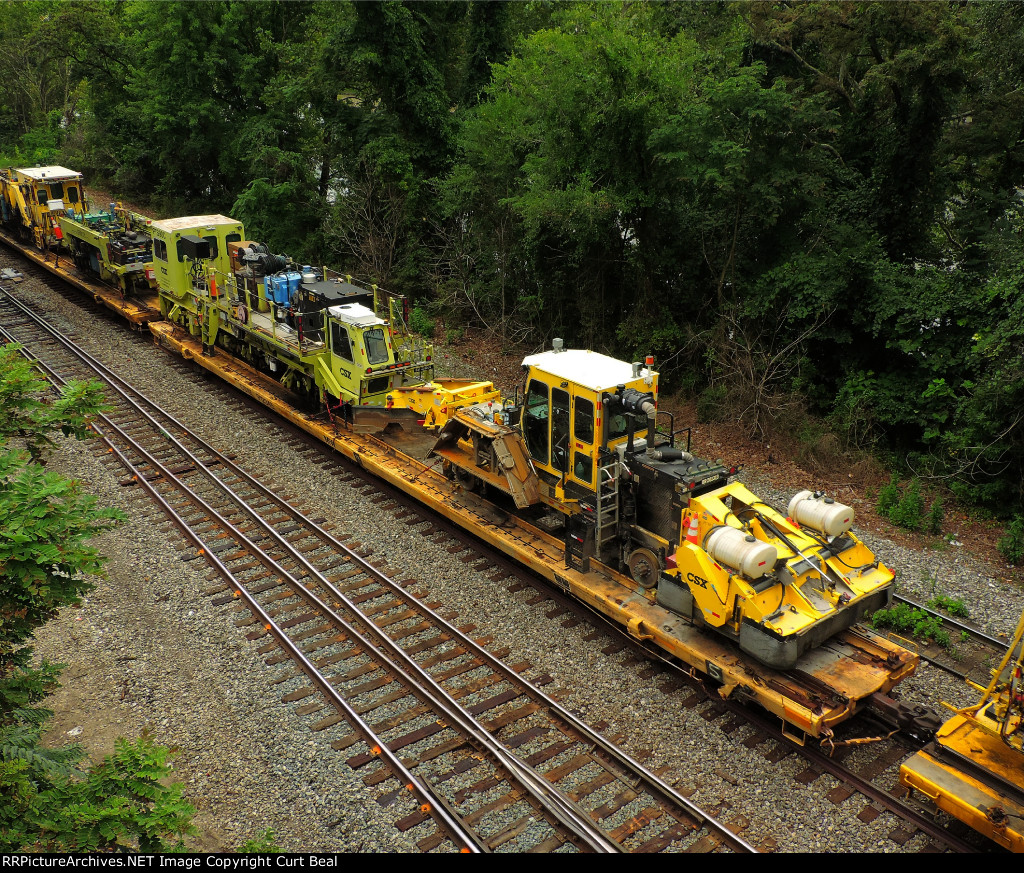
(711, 404)
(1011, 546)
(935, 518)
(909, 512)
(888, 498)
(420, 322)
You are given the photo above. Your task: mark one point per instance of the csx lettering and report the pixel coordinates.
(694, 579)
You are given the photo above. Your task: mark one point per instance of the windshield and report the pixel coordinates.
(376, 347)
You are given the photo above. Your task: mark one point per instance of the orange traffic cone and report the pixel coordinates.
(693, 533)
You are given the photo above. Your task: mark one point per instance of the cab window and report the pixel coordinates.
(560, 429)
(583, 467)
(583, 420)
(72, 194)
(212, 240)
(535, 420)
(340, 341)
(160, 249)
(618, 426)
(41, 196)
(376, 346)
(56, 190)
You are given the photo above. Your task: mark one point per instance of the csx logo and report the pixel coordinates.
(694, 579)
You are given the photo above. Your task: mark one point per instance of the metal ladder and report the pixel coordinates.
(607, 510)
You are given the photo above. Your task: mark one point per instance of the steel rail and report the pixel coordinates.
(566, 811)
(449, 820)
(651, 781)
(974, 632)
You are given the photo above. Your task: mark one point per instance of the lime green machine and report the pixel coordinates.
(337, 344)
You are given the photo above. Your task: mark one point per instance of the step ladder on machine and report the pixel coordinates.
(589, 532)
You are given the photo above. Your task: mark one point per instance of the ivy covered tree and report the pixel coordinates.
(47, 563)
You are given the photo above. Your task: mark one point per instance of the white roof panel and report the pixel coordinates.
(50, 174)
(589, 369)
(169, 225)
(356, 314)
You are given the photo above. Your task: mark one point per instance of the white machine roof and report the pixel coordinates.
(356, 314)
(169, 225)
(589, 369)
(50, 174)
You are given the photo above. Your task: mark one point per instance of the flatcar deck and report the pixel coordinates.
(828, 685)
(137, 311)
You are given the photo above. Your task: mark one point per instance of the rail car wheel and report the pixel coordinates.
(467, 480)
(644, 567)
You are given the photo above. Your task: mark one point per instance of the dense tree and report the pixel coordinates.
(46, 563)
(791, 204)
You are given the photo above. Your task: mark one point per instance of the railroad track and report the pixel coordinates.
(411, 699)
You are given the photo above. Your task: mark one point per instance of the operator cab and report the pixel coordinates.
(362, 357)
(575, 412)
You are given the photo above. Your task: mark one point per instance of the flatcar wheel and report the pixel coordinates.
(644, 567)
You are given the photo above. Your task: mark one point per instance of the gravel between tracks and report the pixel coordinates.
(249, 763)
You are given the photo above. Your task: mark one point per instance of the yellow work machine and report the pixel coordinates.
(974, 769)
(583, 451)
(32, 200)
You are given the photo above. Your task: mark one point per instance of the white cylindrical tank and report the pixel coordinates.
(740, 551)
(822, 514)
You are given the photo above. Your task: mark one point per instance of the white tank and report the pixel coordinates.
(822, 514)
(740, 551)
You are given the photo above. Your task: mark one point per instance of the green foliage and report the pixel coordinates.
(711, 403)
(935, 517)
(906, 619)
(120, 802)
(32, 418)
(420, 322)
(46, 561)
(953, 605)
(1011, 545)
(266, 842)
(905, 508)
(908, 513)
(888, 497)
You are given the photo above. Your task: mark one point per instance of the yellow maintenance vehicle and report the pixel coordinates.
(32, 200)
(581, 452)
(113, 244)
(974, 769)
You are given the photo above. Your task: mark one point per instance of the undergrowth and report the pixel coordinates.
(909, 620)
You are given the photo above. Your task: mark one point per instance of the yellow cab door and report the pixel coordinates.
(559, 429)
(583, 418)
